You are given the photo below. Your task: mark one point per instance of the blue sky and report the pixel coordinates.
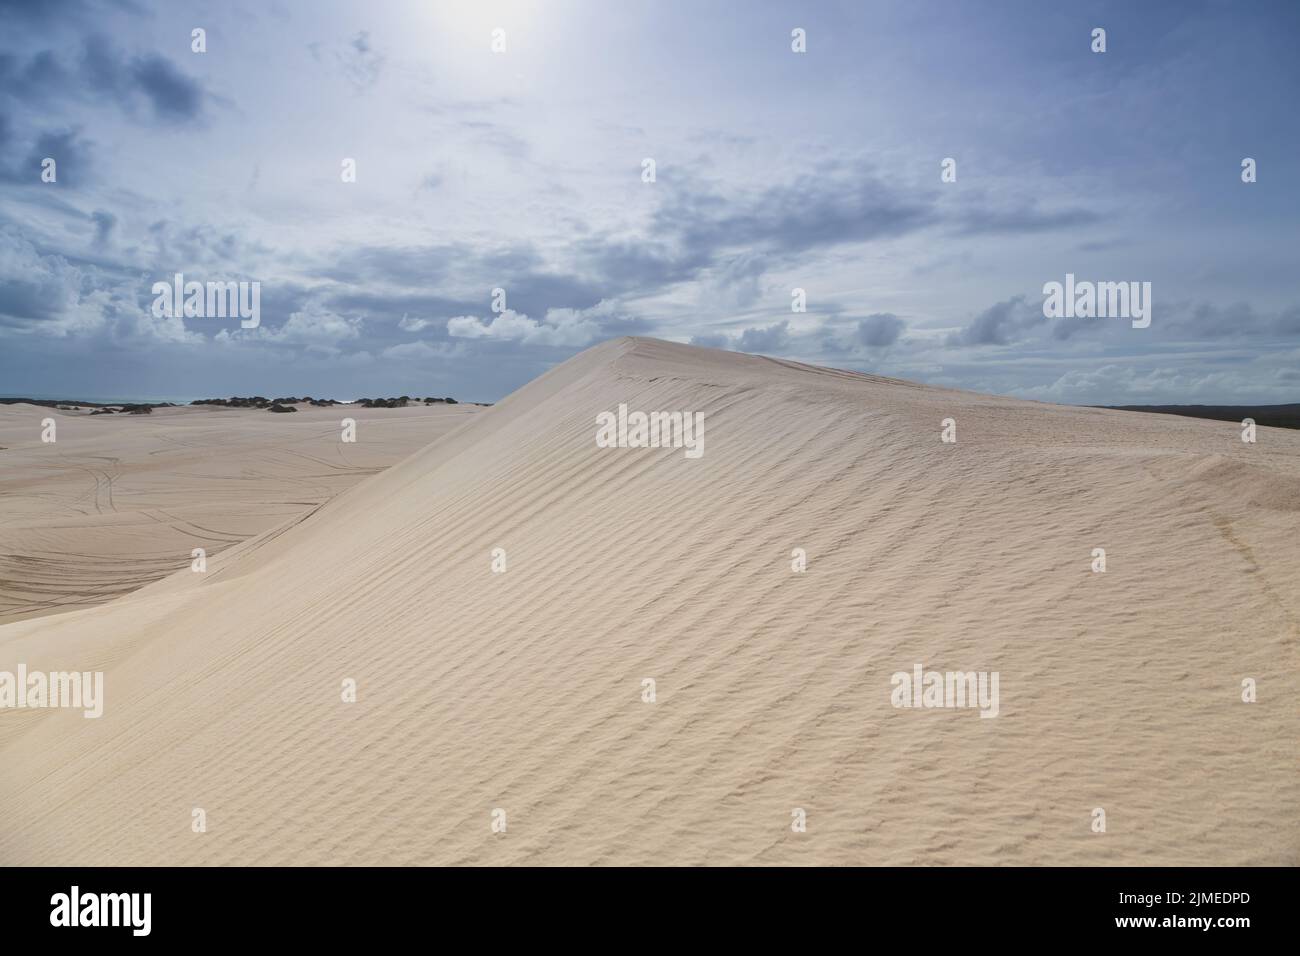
(522, 170)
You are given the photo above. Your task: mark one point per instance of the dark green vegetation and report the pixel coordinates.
(1273, 416)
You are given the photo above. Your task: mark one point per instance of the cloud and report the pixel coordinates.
(127, 80)
(561, 327)
(736, 279)
(44, 74)
(770, 339)
(1019, 319)
(880, 330)
(741, 211)
(1127, 384)
(1021, 219)
(422, 351)
(180, 248)
(313, 329)
(48, 11)
(35, 289)
(722, 237)
(1206, 320)
(408, 324)
(25, 299)
(392, 265)
(104, 223)
(173, 94)
(832, 205)
(54, 296)
(360, 63)
(69, 151)
(996, 324)
(711, 341)
(355, 60)
(497, 137)
(732, 237)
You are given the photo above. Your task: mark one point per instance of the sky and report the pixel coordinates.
(523, 169)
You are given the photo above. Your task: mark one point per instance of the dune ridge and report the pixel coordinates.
(522, 690)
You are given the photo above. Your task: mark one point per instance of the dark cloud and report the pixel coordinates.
(1239, 319)
(42, 12)
(180, 247)
(770, 339)
(696, 232)
(36, 80)
(1007, 322)
(64, 146)
(71, 155)
(26, 300)
(699, 228)
(173, 94)
(738, 278)
(634, 266)
(69, 152)
(1103, 245)
(1064, 328)
(534, 293)
(880, 330)
(104, 71)
(1022, 219)
(391, 274)
(403, 266)
(996, 324)
(389, 308)
(831, 206)
(104, 224)
(1287, 322)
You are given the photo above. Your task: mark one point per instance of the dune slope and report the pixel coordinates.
(522, 691)
(119, 501)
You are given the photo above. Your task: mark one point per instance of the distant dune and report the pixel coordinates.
(119, 501)
(522, 691)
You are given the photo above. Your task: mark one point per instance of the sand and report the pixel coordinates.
(118, 501)
(522, 691)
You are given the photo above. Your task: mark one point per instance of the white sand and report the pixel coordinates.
(522, 690)
(118, 501)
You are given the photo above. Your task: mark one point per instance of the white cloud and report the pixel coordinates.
(408, 324)
(313, 330)
(569, 327)
(416, 351)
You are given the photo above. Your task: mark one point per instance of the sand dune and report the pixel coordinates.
(522, 691)
(119, 501)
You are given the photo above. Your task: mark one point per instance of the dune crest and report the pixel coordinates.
(523, 690)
